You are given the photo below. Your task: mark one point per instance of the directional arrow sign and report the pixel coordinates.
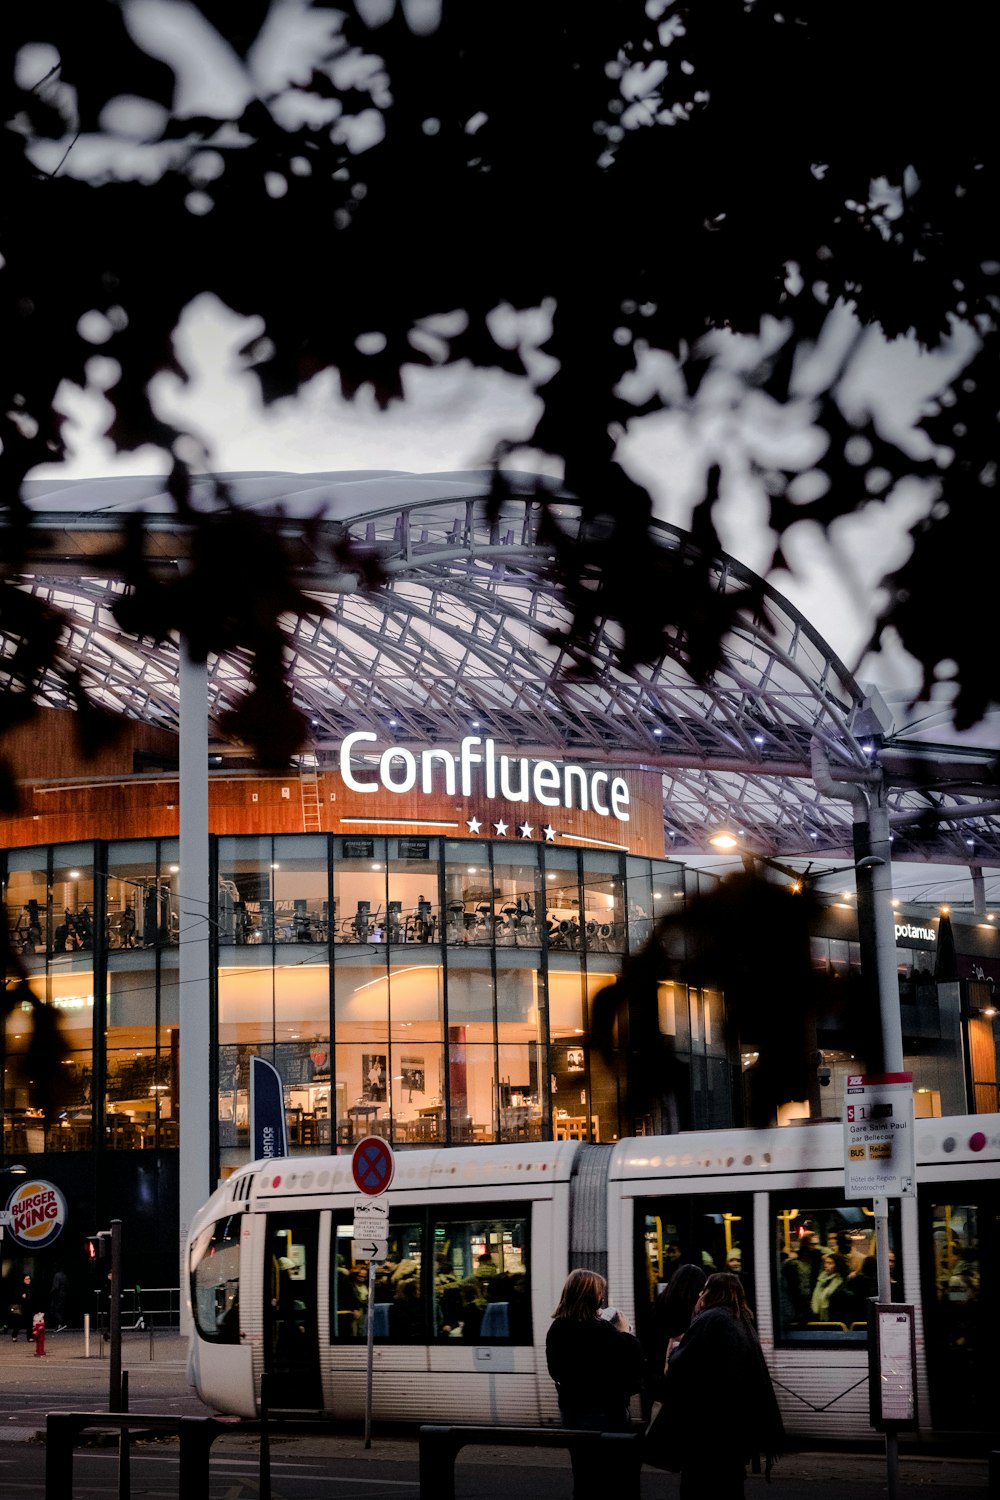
(371, 1249)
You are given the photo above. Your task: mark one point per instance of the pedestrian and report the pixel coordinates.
(830, 1279)
(597, 1366)
(57, 1301)
(25, 1306)
(672, 1312)
(719, 1410)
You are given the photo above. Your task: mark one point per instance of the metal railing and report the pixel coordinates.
(147, 1309)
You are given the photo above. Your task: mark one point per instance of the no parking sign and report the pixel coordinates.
(373, 1165)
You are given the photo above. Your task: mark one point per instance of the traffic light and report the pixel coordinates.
(98, 1246)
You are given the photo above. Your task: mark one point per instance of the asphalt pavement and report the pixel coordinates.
(337, 1464)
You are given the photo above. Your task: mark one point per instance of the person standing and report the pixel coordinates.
(830, 1280)
(597, 1367)
(720, 1407)
(57, 1301)
(26, 1303)
(672, 1313)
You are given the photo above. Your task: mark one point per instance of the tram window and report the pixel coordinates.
(215, 1281)
(399, 1312)
(714, 1233)
(482, 1287)
(825, 1270)
(960, 1243)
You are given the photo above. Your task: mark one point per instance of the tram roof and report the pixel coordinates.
(460, 636)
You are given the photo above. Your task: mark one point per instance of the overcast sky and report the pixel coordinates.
(453, 417)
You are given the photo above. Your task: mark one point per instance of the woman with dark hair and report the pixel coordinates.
(596, 1367)
(720, 1409)
(672, 1313)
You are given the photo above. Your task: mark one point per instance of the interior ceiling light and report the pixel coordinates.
(724, 840)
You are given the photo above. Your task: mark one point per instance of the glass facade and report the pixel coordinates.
(428, 990)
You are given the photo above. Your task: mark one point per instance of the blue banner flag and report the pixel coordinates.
(268, 1133)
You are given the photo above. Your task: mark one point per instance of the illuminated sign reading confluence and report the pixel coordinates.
(509, 778)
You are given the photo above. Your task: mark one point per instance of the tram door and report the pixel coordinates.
(290, 1297)
(960, 1273)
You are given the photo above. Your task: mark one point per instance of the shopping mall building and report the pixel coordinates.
(412, 921)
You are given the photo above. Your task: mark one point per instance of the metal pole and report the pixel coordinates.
(115, 1319)
(885, 934)
(124, 1450)
(195, 953)
(892, 1046)
(371, 1352)
(264, 1454)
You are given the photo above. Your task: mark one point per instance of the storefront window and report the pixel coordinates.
(519, 1051)
(301, 885)
(518, 901)
(28, 904)
(138, 1088)
(603, 904)
(72, 901)
(132, 870)
(362, 1043)
(413, 913)
(29, 1095)
(469, 896)
(360, 898)
(416, 1052)
(246, 891)
(651, 892)
(562, 901)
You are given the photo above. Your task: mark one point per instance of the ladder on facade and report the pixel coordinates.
(312, 807)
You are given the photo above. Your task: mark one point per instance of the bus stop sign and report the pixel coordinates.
(372, 1165)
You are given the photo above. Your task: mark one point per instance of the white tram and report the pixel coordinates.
(481, 1238)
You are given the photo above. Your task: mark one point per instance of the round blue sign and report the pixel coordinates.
(372, 1164)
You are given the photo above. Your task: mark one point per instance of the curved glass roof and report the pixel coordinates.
(460, 638)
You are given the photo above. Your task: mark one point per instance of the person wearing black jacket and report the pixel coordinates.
(596, 1367)
(719, 1410)
(672, 1313)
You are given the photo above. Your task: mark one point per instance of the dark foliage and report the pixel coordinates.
(659, 175)
(776, 1007)
(524, 155)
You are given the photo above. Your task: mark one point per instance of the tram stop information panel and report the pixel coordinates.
(878, 1136)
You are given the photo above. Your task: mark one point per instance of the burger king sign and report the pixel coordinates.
(36, 1213)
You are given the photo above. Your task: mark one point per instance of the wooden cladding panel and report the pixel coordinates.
(144, 807)
(47, 748)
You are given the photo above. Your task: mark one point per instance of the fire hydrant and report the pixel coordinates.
(38, 1333)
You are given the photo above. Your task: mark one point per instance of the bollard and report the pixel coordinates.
(38, 1334)
(124, 1449)
(264, 1452)
(86, 1335)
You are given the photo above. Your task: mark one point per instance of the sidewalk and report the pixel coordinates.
(64, 1380)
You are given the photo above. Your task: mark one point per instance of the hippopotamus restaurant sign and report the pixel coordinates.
(36, 1213)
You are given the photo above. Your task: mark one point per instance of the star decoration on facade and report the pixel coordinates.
(526, 830)
(473, 825)
(549, 833)
(500, 829)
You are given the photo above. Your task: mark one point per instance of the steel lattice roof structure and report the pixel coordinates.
(460, 637)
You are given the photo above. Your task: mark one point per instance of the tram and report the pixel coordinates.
(480, 1239)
